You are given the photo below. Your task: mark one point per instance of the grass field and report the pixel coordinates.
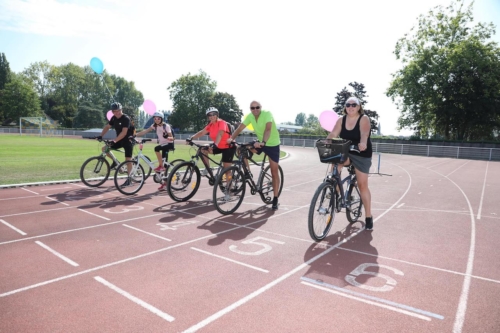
(30, 159)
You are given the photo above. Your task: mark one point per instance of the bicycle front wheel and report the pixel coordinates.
(322, 210)
(94, 171)
(183, 181)
(132, 182)
(229, 190)
(355, 204)
(265, 184)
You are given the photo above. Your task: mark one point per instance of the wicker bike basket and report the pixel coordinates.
(332, 151)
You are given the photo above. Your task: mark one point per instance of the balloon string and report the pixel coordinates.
(104, 82)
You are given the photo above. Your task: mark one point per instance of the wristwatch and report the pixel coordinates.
(264, 142)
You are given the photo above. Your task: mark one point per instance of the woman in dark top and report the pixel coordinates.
(355, 126)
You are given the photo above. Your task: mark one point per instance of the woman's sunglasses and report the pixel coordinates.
(211, 114)
(349, 105)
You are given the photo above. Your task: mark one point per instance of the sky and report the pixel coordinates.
(291, 56)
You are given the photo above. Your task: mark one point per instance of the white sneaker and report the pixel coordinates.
(204, 172)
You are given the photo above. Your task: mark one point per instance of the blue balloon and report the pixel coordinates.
(96, 65)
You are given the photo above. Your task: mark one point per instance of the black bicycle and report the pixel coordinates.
(230, 185)
(330, 196)
(184, 180)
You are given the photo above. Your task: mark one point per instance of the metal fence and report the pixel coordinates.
(472, 153)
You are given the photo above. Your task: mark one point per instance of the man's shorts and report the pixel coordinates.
(272, 152)
(126, 145)
(227, 154)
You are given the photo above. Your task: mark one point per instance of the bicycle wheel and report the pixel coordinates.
(322, 210)
(133, 182)
(147, 169)
(183, 181)
(228, 194)
(94, 171)
(265, 184)
(159, 176)
(355, 204)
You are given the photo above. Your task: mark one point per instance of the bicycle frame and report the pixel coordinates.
(241, 163)
(196, 157)
(351, 178)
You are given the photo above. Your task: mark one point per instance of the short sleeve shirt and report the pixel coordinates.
(213, 130)
(119, 124)
(260, 127)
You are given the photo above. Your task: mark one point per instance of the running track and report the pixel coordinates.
(76, 259)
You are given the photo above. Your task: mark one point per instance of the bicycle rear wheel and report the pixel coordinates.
(228, 193)
(353, 210)
(322, 210)
(183, 181)
(94, 171)
(265, 184)
(133, 182)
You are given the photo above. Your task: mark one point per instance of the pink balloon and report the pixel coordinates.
(149, 107)
(327, 119)
(109, 115)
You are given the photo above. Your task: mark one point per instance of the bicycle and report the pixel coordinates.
(228, 193)
(95, 170)
(184, 180)
(330, 197)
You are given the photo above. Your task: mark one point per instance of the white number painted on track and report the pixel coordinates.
(124, 210)
(79, 197)
(361, 269)
(265, 247)
(174, 225)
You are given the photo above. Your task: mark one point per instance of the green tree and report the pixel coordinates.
(300, 119)
(88, 116)
(126, 93)
(41, 76)
(449, 85)
(19, 99)
(190, 95)
(5, 72)
(229, 110)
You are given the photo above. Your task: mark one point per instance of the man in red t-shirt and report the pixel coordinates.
(218, 131)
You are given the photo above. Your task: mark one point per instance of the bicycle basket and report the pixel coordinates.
(332, 151)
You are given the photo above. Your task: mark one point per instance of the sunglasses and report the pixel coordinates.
(254, 107)
(211, 114)
(349, 105)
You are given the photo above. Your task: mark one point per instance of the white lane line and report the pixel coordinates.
(136, 300)
(31, 196)
(13, 228)
(147, 233)
(69, 261)
(398, 307)
(36, 211)
(22, 188)
(457, 169)
(231, 260)
(99, 216)
(482, 193)
(401, 205)
(57, 201)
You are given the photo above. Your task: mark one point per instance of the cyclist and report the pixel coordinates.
(165, 142)
(121, 123)
(218, 130)
(356, 126)
(269, 137)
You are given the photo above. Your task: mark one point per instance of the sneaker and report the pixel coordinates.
(113, 165)
(275, 203)
(369, 223)
(162, 187)
(159, 169)
(126, 183)
(204, 172)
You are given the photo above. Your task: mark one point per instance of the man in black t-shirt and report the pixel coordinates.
(124, 129)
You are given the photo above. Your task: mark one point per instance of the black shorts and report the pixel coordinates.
(165, 149)
(272, 152)
(227, 154)
(126, 145)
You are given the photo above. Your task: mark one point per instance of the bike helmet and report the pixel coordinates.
(158, 114)
(116, 106)
(212, 109)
